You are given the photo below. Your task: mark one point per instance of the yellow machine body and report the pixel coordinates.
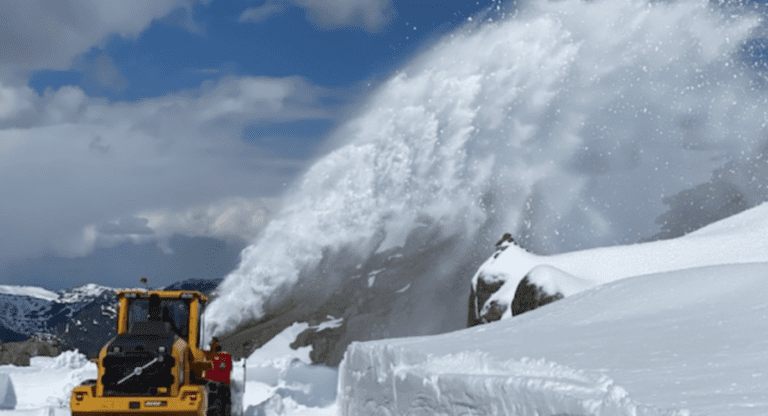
(155, 364)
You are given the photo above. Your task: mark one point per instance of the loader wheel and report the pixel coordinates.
(219, 399)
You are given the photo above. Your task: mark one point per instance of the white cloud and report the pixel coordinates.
(15, 103)
(237, 217)
(47, 34)
(289, 98)
(69, 163)
(261, 13)
(371, 15)
(104, 73)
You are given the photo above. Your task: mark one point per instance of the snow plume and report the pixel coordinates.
(567, 123)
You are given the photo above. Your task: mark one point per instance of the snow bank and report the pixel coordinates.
(7, 393)
(72, 360)
(45, 386)
(282, 381)
(398, 381)
(669, 343)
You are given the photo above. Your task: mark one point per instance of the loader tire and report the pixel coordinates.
(219, 399)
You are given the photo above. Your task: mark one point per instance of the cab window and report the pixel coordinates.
(173, 311)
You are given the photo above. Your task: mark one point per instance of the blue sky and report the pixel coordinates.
(163, 130)
(208, 41)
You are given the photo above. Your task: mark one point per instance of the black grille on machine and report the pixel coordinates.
(118, 368)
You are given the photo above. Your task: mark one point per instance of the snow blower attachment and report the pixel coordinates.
(155, 366)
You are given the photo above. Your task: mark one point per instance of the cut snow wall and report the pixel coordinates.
(376, 379)
(7, 393)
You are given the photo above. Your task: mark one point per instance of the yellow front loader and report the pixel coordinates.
(155, 365)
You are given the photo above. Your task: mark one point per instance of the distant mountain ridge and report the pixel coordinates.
(80, 318)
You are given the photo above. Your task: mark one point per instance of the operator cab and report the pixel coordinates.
(142, 312)
(162, 312)
(154, 330)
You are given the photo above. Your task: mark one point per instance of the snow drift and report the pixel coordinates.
(7, 393)
(566, 121)
(674, 343)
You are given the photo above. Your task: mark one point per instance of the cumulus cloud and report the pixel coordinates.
(40, 34)
(103, 73)
(236, 217)
(77, 171)
(371, 15)
(261, 13)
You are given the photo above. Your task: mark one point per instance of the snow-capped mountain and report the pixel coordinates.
(32, 310)
(80, 318)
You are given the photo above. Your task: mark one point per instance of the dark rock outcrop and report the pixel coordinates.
(495, 311)
(19, 353)
(322, 342)
(529, 296)
(477, 300)
(487, 286)
(375, 300)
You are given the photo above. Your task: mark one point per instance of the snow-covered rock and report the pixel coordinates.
(542, 285)
(7, 393)
(495, 285)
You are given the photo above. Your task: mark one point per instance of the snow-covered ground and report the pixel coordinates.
(688, 340)
(44, 387)
(676, 343)
(279, 381)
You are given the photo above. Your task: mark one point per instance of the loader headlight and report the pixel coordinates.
(115, 349)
